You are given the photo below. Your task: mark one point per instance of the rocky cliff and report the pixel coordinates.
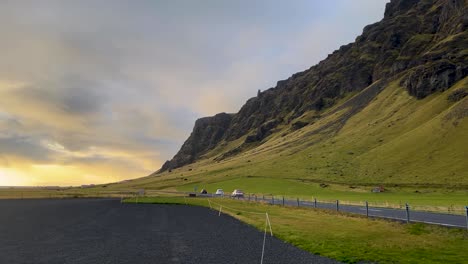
(207, 132)
(421, 43)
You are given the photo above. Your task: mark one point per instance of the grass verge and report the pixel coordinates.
(344, 237)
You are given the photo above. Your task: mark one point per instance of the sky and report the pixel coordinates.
(101, 91)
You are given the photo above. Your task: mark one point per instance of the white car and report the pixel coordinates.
(219, 192)
(237, 193)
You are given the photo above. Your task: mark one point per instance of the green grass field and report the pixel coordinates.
(344, 237)
(36, 193)
(425, 199)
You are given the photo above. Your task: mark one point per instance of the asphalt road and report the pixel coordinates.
(396, 214)
(106, 231)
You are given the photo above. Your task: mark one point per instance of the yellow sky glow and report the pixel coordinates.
(63, 175)
(50, 163)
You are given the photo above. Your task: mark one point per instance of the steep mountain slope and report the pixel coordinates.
(388, 108)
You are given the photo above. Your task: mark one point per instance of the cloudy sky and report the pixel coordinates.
(100, 91)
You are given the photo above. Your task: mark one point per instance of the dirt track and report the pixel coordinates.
(105, 231)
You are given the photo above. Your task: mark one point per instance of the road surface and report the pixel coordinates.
(106, 231)
(449, 220)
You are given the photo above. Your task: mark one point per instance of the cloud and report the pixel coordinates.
(23, 147)
(94, 91)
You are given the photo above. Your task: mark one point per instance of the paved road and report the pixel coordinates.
(106, 231)
(397, 214)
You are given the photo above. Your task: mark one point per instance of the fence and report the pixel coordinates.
(406, 214)
(402, 212)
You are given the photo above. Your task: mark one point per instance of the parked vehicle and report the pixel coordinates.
(219, 192)
(203, 191)
(237, 193)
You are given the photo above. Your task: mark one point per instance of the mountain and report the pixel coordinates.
(390, 107)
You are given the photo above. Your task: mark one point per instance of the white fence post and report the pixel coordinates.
(269, 223)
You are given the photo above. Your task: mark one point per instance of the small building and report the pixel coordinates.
(378, 189)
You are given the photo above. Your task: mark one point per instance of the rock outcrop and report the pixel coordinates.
(207, 132)
(422, 43)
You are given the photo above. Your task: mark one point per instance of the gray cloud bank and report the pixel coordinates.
(122, 82)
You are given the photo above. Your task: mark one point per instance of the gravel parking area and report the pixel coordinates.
(106, 231)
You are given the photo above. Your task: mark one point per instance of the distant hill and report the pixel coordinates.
(391, 107)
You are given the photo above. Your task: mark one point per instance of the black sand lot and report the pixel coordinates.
(106, 231)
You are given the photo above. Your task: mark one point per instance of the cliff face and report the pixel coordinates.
(207, 132)
(422, 43)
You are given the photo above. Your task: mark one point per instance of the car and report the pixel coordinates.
(203, 191)
(219, 192)
(237, 193)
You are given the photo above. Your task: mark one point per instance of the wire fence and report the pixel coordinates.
(406, 212)
(454, 216)
(450, 209)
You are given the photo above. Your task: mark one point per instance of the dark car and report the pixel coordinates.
(203, 191)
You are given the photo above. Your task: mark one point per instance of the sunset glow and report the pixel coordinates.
(101, 91)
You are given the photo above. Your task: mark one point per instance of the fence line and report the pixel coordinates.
(271, 199)
(459, 210)
(365, 209)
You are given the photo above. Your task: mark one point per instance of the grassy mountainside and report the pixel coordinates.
(421, 43)
(415, 148)
(390, 109)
